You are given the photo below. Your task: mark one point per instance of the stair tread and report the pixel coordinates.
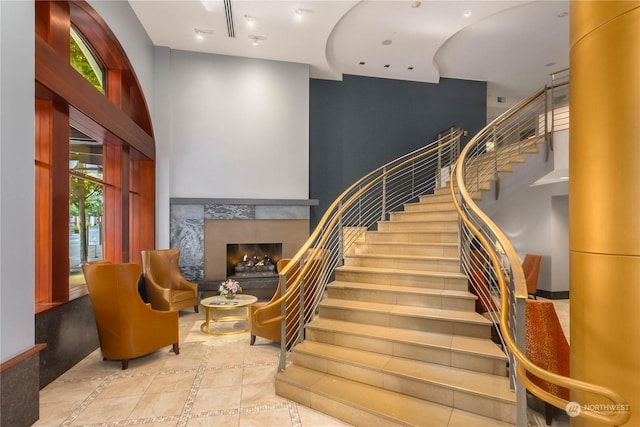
(418, 236)
(456, 343)
(478, 383)
(426, 273)
(393, 406)
(449, 212)
(401, 289)
(423, 312)
(405, 257)
(385, 403)
(406, 244)
(430, 221)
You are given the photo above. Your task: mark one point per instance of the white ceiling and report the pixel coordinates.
(513, 45)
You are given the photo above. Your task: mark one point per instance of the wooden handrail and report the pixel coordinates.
(519, 289)
(338, 207)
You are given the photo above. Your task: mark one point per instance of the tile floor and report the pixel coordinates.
(215, 381)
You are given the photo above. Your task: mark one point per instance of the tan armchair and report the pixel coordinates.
(273, 331)
(127, 327)
(531, 268)
(166, 288)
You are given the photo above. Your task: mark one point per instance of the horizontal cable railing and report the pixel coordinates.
(489, 259)
(356, 210)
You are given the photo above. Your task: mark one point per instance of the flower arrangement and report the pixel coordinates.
(229, 288)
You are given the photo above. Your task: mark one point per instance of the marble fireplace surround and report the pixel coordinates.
(202, 227)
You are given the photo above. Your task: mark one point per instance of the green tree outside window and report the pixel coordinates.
(84, 62)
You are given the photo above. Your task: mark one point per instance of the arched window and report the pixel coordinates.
(94, 152)
(85, 61)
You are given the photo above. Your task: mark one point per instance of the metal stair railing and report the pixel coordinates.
(484, 248)
(358, 209)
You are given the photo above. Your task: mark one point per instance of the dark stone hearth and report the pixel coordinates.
(261, 286)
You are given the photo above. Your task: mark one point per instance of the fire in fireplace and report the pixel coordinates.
(253, 259)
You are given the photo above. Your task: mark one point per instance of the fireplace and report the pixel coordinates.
(246, 260)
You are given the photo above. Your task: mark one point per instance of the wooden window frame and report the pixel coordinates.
(120, 120)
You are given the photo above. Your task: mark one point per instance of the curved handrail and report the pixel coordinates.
(372, 197)
(518, 288)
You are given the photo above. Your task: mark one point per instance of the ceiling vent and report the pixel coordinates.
(229, 14)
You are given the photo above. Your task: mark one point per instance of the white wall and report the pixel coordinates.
(531, 219)
(560, 249)
(162, 129)
(240, 127)
(17, 321)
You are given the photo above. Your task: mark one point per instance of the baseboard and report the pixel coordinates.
(553, 295)
(19, 380)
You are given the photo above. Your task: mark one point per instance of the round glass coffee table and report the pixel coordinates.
(219, 309)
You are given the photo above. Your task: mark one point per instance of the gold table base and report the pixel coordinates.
(221, 304)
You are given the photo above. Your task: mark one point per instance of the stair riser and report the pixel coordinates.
(400, 249)
(435, 198)
(347, 413)
(418, 226)
(459, 399)
(430, 391)
(424, 216)
(416, 300)
(433, 282)
(447, 191)
(440, 326)
(412, 237)
(430, 207)
(439, 355)
(450, 266)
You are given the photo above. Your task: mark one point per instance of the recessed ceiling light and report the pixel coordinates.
(549, 64)
(300, 13)
(564, 178)
(416, 4)
(386, 65)
(562, 14)
(410, 68)
(466, 13)
(386, 42)
(255, 40)
(362, 62)
(201, 33)
(251, 21)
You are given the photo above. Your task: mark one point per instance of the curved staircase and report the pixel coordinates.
(397, 340)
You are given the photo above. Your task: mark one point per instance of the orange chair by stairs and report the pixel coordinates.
(272, 331)
(547, 347)
(531, 268)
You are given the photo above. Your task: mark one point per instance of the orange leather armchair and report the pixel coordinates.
(547, 347)
(531, 268)
(166, 288)
(273, 331)
(127, 327)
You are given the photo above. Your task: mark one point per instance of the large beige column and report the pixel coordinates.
(604, 199)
